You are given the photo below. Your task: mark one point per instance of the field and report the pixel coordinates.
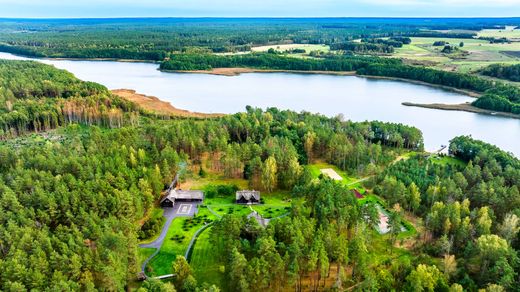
(475, 54)
(509, 33)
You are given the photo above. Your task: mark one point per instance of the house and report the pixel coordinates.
(181, 196)
(248, 197)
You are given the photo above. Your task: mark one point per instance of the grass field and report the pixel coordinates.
(478, 53)
(205, 264)
(177, 240)
(509, 33)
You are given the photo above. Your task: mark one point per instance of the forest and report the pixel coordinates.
(74, 192)
(36, 97)
(155, 39)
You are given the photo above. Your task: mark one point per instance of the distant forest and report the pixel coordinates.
(155, 39)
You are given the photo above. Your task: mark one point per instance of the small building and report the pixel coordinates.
(248, 197)
(181, 196)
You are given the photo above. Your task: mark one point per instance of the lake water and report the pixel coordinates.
(357, 98)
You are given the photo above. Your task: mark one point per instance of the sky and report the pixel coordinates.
(258, 8)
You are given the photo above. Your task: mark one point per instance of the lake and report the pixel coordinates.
(356, 98)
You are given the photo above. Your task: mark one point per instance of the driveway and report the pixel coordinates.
(180, 209)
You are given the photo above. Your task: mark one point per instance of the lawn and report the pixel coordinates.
(444, 160)
(143, 254)
(274, 204)
(177, 240)
(204, 261)
(349, 181)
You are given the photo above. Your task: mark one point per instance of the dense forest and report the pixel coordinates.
(509, 72)
(37, 97)
(471, 211)
(180, 62)
(155, 39)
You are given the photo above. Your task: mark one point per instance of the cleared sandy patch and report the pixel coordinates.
(153, 104)
(331, 173)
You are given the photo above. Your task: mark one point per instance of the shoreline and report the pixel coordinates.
(158, 106)
(466, 107)
(231, 72)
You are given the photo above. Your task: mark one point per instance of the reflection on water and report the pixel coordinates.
(356, 98)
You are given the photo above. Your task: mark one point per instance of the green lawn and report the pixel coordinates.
(274, 204)
(447, 160)
(143, 254)
(177, 240)
(349, 181)
(204, 261)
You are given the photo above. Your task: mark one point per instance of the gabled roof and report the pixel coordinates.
(183, 195)
(248, 195)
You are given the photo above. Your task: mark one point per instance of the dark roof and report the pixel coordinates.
(183, 195)
(248, 195)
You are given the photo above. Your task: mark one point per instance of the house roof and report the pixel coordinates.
(247, 195)
(183, 195)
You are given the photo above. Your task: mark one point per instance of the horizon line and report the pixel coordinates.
(261, 17)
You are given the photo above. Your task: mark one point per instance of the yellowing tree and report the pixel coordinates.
(269, 174)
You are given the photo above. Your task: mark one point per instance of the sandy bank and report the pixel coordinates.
(467, 107)
(153, 104)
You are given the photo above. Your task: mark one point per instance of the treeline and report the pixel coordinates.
(437, 34)
(509, 72)
(37, 97)
(396, 42)
(365, 47)
(269, 61)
